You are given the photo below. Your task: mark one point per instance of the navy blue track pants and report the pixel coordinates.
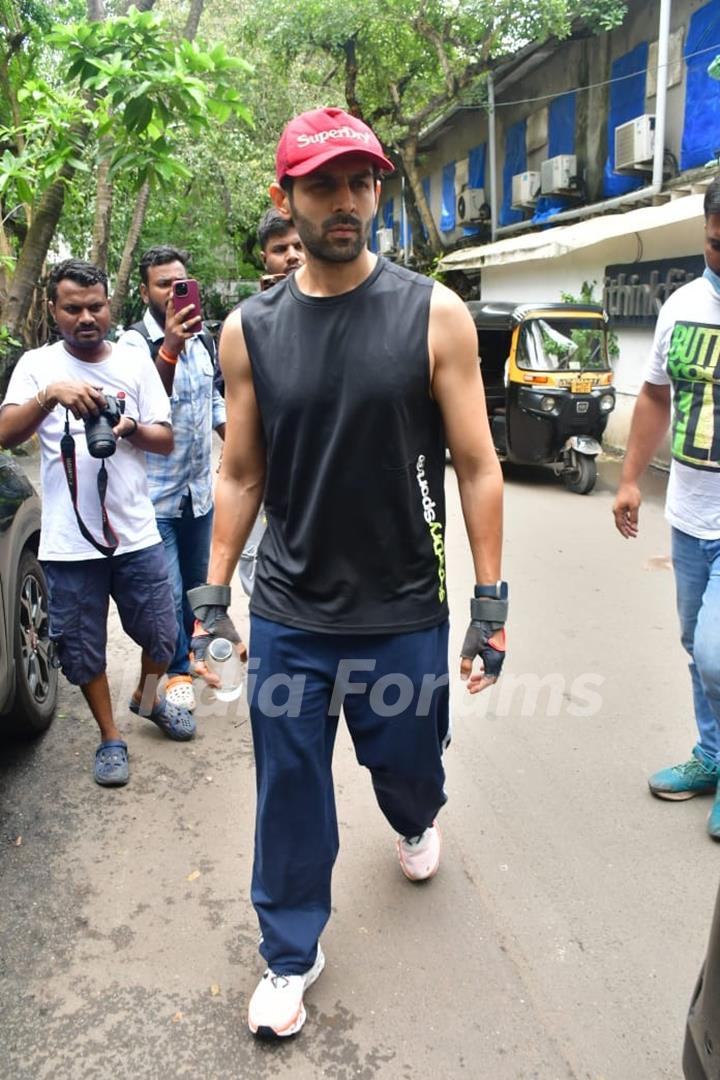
(393, 689)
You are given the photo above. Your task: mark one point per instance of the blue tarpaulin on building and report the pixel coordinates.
(515, 162)
(447, 206)
(476, 178)
(561, 140)
(627, 100)
(561, 125)
(701, 130)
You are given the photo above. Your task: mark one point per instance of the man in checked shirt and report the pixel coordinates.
(181, 483)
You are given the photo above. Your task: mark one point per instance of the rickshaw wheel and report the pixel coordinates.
(582, 476)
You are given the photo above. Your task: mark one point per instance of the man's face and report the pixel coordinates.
(283, 253)
(158, 290)
(333, 208)
(712, 242)
(82, 314)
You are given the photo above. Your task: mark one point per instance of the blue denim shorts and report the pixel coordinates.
(79, 595)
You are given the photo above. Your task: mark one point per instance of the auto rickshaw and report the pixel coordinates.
(548, 384)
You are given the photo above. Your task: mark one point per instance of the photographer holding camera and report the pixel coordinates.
(97, 409)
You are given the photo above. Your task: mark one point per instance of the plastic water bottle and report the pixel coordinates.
(223, 661)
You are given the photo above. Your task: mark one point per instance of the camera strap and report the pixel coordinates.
(67, 453)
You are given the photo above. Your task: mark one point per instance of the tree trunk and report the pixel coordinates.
(34, 250)
(193, 19)
(408, 153)
(96, 12)
(126, 263)
(122, 281)
(6, 252)
(103, 215)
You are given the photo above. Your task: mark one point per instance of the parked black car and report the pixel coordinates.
(28, 681)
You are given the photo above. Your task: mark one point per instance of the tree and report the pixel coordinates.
(123, 84)
(404, 62)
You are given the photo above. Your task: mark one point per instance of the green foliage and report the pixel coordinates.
(131, 91)
(412, 57)
(587, 296)
(9, 347)
(127, 91)
(402, 63)
(125, 82)
(143, 84)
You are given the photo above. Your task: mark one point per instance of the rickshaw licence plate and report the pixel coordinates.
(582, 386)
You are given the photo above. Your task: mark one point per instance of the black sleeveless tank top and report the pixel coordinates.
(355, 539)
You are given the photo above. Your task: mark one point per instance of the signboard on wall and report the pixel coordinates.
(633, 293)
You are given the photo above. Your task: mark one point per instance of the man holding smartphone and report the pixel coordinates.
(171, 335)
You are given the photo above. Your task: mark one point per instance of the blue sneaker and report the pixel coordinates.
(693, 777)
(713, 821)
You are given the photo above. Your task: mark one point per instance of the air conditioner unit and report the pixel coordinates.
(635, 144)
(471, 205)
(558, 174)
(525, 189)
(386, 241)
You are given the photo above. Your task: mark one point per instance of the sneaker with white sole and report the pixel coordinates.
(179, 691)
(276, 1008)
(420, 855)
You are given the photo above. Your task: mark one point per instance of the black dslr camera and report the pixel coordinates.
(98, 429)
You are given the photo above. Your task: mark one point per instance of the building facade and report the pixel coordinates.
(580, 196)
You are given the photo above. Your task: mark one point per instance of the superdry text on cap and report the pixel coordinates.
(316, 137)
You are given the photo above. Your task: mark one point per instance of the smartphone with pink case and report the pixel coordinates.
(185, 292)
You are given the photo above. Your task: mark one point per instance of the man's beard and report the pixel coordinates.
(84, 345)
(157, 313)
(323, 247)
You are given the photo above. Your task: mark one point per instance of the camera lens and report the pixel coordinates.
(100, 438)
(181, 288)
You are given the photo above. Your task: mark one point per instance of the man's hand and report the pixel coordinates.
(626, 510)
(125, 428)
(209, 605)
(481, 640)
(81, 398)
(485, 638)
(179, 327)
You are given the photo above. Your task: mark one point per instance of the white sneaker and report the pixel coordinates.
(276, 1008)
(420, 855)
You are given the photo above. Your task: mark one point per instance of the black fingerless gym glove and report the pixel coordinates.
(210, 605)
(487, 615)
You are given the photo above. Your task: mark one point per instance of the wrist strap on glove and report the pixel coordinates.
(483, 609)
(209, 596)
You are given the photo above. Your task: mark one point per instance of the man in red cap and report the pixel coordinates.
(344, 384)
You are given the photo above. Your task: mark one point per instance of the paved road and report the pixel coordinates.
(561, 938)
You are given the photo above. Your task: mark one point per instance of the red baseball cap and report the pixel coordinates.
(316, 137)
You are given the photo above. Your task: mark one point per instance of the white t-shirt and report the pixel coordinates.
(127, 500)
(686, 356)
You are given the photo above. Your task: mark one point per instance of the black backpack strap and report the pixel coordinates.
(141, 329)
(209, 343)
(154, 346)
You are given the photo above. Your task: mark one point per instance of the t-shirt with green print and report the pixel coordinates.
(686, 356)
